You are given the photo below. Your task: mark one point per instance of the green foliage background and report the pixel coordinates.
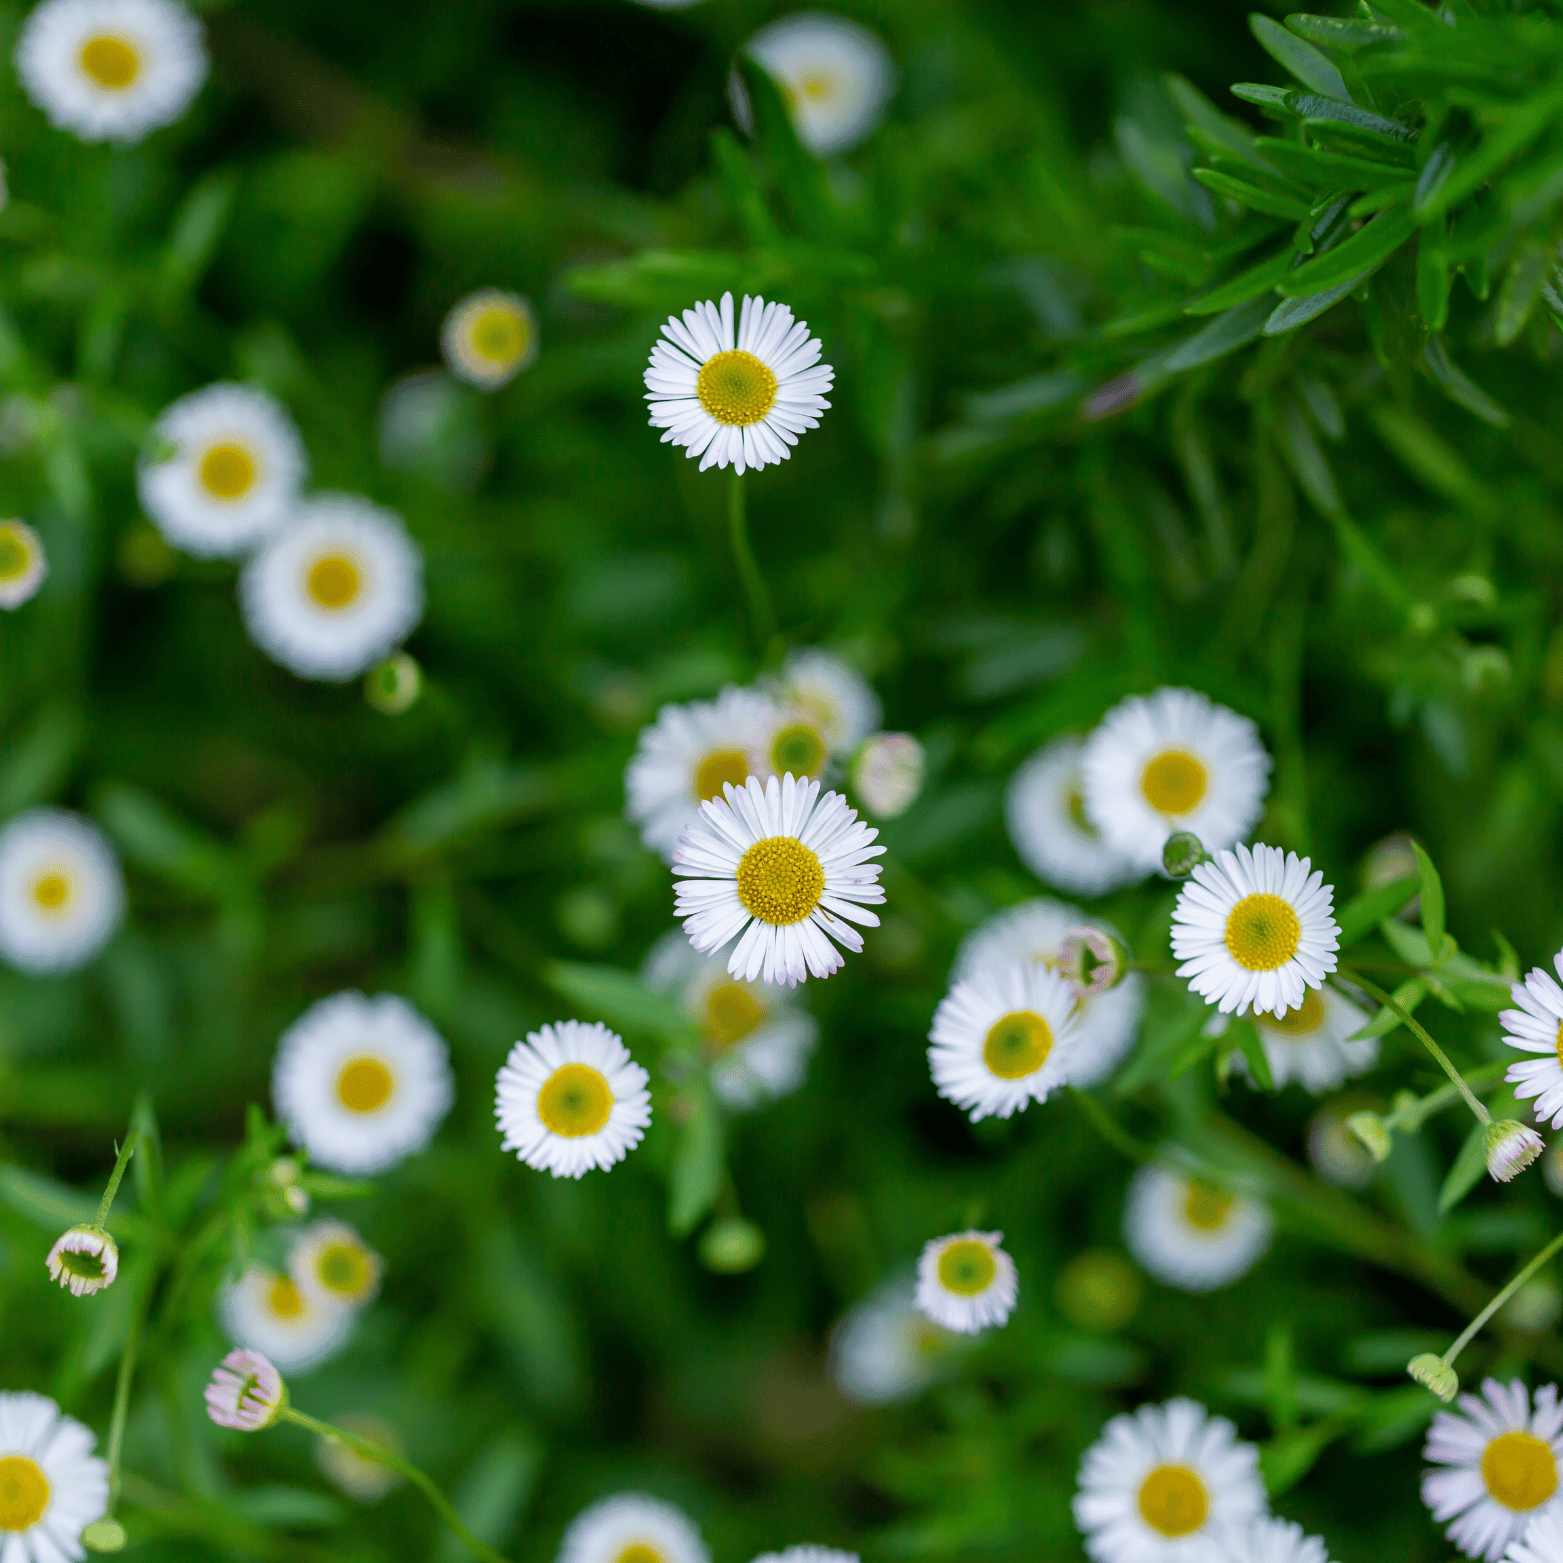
(1349, 531)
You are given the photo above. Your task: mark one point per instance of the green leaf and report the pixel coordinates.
(158, 839)
(1225, 334)
(1286, 1459)
(1466, 1172)
(1246, 285)
(197, 230)
(1271, 99)
(487, 793)
(1432, 900)
(1345, 33)
(1308, 462)
(47, 1203)
(1294, 312)
(1521, 288)
(1251, 195)
(1433, 278)
(1251, 1046)
(1301, 59)
(621, 999)
(1408, 995)
(492, 1493)
(1519, 125)
(37, 761)
(1327, 170)
(1363, 913)
(699, 1165)
(1376, 134)
(1199, 113)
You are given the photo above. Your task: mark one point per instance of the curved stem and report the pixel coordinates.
(1519, 1280)
(1413, 1115)
(761, 615)
(126, 1151)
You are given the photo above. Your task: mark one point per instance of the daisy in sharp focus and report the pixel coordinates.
(886, 1349)
(1255, 930)
(361, 1083)
(1192, 1234)
(223, 470)
(780, 867)
(1310, 1044)
(1044, 811)
(333, 1266)
(265, 1311)
(1499, 1455)
(1537, 1027)
(61, 894)
(111, 70)
(570, 1098)
(1164, 1484)
(840, 700)
(966, 1282)
(836, 77)
(52, 1485)
(1172, 761)
(336, 590)
(736, 400)
(1541, 1543)
(23, 564)
(1271, 1541)
(489, 338)
(631, 1527)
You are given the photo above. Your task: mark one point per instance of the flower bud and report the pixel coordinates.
(1093, 960)
(887, 773)
(1435, 1374)
(731, 1245)
(1369, 1129)
(394, 686)
(1182, 854)
(1511, 1148)
(104, 1536)
(85, 1260)
(246, 1393)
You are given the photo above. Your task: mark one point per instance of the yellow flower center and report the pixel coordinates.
(1296, 1024)
(1174, 782)
(721, 765)
(333, 581)
(816, 86)
(227, 471)
(575, 1100)
(732, 1012)
(283, 1299)
(501, 334)
(736, 388)
(798, 749)
(1519, 1470)
(1262, 932)
(24, 1493)
(967, 1268)
(1558, 1042)
(1017, 1045)
(365, 1085)
(51, 891)
(344, 1268)
(1173, 1500)
(16, 557)
(1205, 1206)
(640, 1552)
(780, 881)
(110, 61)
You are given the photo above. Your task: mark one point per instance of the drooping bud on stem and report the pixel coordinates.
(1511, 1148)
(1093, 960)
(85, 1259)
(1435, 1374)
(1182, 854)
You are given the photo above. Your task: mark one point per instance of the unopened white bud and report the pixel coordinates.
(85, 1260)
(1511, 1148)
(1093, 960)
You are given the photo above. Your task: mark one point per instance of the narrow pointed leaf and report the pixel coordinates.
(1304, 62)
(1248, 284)
(1253, 196)
(1432, 899)
(1364, 251)
(1363, 913)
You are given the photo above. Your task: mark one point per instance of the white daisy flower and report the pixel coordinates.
(1542, 1542)
(333, 1266)
(1500, 1466)
(684, 758)
(757, 1042)
(1044, 812)
(52, 1486)
(111, 70)
(61, 895)
(1271, 1541)
(783, 867)
(808, 1554)
(1255, 930)
(489, 338)
(84, 1260)
(23, 564)
(1310, 1044)
(570, 1098)
(887, 773)
(361, 1083)
(246, 1393)
(362, 1479)
(1537, 1027)
(1172, 761)
(1165, 1484)
(736, 400)
(1192, 1234)
(631, 1527)
(840, 700)
(791, 743)
(886, 1349)
(1003, 1039)
(265, 1311)
(1106, 1024)
(966, 1282)
(222, 471)
(837, 77)
(336, 590)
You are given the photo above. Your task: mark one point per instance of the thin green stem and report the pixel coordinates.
(1109, 1128)
(761, 615)
(126, 1151)
(1470, 1330)
(1413, 1115)
(373, 1451)
(127, 1371)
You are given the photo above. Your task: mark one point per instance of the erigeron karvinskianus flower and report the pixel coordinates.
(1541, 1543)
(361, 1083)
(839, 699)
(364, 1480)
(111, 70)
(807, 1553)
(887, 773)
(333, 1267)
(781, 868)
(489, 338)
(1255, 930)
(1191, 1233)
(1271, 1541)
(265, 1311)
(336, 590)
(1510, 1148)
(631, 1527)
(570, 1098)
(791, 743)
(1044, 811)
(1498, 1459)
(1311, 1043)
(61, 894)
(1172, 761)
(736, 399)
(83, 1260)
(886, 1349)
(1537, 1027)
(246, 1393)
(23, 564)
(52, 1485)
(966, 1282)
(836, 77)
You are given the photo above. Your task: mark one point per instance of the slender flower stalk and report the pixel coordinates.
(761, 614)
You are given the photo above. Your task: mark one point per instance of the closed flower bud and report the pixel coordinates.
(246, 1393)
(1369, 1129)
(85, 1260)
(1093, 960)
(104, 1536)
(1435, 1374)
(887, 773)
(1182, 854)
(1511, 1148)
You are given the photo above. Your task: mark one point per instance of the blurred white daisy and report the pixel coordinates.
(265, 1311)
(792, 743)
(684, 758)
(23, 564)
(61, 894)
(1170, 761)
(1336, 1154)
(362, 1479)
(333, 1266)
(336, 590)
(1499, 1455)
(246, 1392)
(361, 1083)
(887, 773)
(111, 70)
(837, 78)
(736, 400)
(1044, 810)
(1106, 1023)
(1542, 1542)
(489, 338)
(1255, 930)
(1164, 1484)
(83, 1260)
(222, 470)
(886, 1349)
(839, 699)
(631, 1527)
(570, 1098)
(807, 1553)
(756, 1040)
(1192, 1234)
(1537, 1027)
(966, 1282)
(1271, 1541)
(1310, 1044)
(52, 1485)
(783, 867)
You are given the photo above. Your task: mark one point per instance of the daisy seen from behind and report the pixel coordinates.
(836, 77)
(52, 1485)
(781, 868)
(1190, 1233)
(1537, 1027)
(361, 1083)
(1044, 812)
(83, 1260)
(632, 1527)
(1498, 1462)
(1165, 1484)
(570, 1098)
(1255, 930)
(23, 564)
(966, 1282)
(333, 1266)
(61, 894)
(264, 1311)
(1541, 1543)
(489, 338)
(839, 699)
(1272, 1541)
(886, 1349)
(1311, 1043)
(736, 399)
(222, 471)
